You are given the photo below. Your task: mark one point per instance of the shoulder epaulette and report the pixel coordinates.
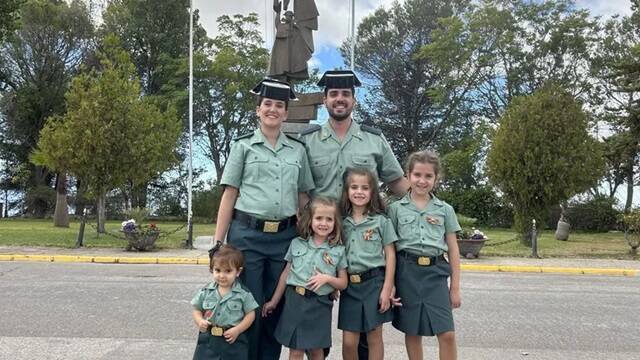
(311, 129)
(371, 130)
(291, 137)
(245, 136)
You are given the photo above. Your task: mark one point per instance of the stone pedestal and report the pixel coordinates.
(302, 111)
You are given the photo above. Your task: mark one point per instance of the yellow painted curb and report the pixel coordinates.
(6, 257)
(137, 260)
(203, 261)
(72, 258)
(550, 270)
(178, 261)
(105, 259)
(44, 258)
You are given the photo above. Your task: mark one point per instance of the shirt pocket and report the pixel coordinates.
(364, 161)
(234, 309)
(208, 304)
(291, 171)
(407, 227)
(298, 253)
(435, 226)
(327, 266)
(374, 243)
(319, 167)
(255, 166)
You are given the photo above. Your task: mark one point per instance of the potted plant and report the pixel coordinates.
(139, 237)
(469, 241)
(631, 222)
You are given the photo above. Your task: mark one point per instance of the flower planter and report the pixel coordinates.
(141, 241)
(470, 248)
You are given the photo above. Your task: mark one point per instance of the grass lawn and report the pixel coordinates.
(610, 245)
(30, 232)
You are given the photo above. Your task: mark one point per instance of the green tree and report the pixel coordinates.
(36, 65)
(616, 70)
(542, 154)
(223, 106)
(109, 135)
(156, 35)
(412, 99)
(9, 16)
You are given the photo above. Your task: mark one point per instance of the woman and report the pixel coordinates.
(266, 178)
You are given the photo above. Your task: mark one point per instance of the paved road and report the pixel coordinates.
(96, 311)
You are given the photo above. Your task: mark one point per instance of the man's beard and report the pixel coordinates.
(337, 117)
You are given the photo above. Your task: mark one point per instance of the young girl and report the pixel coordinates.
(427, 230)
(371, 262)
(316, 266)
(223, 310)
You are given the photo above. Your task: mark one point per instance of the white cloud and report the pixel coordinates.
(606, 8)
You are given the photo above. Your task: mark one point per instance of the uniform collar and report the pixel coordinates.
(258, 138)
(406, 199)
(354, 130)
(369, 217)
(236, 287)
(311, 243)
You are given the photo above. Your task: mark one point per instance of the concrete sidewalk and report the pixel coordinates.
(200, 256)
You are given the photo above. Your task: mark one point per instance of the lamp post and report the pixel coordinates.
(189, 242)
(353, 35)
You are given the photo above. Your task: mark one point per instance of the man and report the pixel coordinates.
(342, 143)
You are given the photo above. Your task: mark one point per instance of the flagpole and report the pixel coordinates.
(353, 34)
(189, 242)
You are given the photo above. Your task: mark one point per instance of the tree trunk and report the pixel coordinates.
(61, 214)
(139, 196)
(101, 213)
(80, 202)
(629, 203)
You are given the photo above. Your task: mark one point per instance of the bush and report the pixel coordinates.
(481, 203)
(597, 214)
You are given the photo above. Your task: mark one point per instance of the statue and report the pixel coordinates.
(293, 45)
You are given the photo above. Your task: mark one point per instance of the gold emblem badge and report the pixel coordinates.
(433, 221)
(367, 234)
(327, 259)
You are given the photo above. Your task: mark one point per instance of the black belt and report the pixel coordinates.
(364, 276)
(217, 330)
(421, 260)
(302, 291)
(268, 226)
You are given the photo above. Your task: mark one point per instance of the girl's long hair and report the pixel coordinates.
(376, 204)
(304, 225)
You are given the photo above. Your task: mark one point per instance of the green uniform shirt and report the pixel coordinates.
(365, 242)
(305, 257)
(269, 178)
(329, 158)
(225, 311)
(422, 232)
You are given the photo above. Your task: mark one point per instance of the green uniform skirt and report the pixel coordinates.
(217, 348)
(359, 305)
(424, 293)
(305, 322)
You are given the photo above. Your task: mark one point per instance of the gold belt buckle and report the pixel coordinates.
(300, 290)
(217, 331)
(355, 278)
(424, 260)
(270, 226)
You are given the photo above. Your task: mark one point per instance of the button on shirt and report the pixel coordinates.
(305, 258)
(422, 232)
(269, 178)
(329, 157)
(365, 242)
(225, 311)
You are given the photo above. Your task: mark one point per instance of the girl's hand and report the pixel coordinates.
(454, 297)
(203, 325)
(384, 301)
(231, 334)
(395, 301)
(268, 308)
(317, 280)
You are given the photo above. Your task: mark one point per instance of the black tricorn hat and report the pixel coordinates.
(339, 79)
(274, 89)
